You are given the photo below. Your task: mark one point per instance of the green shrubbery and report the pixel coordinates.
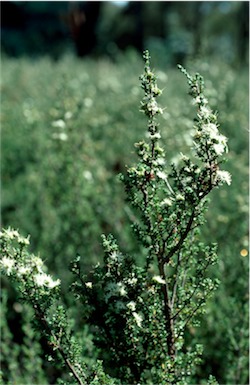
(63, 147)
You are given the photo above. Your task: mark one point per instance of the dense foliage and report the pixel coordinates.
(63, 147)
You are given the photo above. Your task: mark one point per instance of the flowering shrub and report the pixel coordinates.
(141, 315)
(39, 290)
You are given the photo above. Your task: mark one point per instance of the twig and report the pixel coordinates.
(42, 318)
(191, 316)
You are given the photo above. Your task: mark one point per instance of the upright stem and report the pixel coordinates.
(151, 109)
(169, 323)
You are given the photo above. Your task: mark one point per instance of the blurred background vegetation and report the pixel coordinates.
(176, 30)
(69, 115)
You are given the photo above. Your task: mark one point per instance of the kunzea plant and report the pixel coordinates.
(141, 314)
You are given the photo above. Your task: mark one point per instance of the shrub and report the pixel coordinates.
(141, 314)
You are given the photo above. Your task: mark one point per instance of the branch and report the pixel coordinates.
(192, 314)
(194, 291)
(169, 325)
(169, 187)
(176, 280)
(70, 366)
(182, 239)
(42, 318)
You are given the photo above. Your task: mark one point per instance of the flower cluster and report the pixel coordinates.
(209, 143)
(14, 234)
(27, 269)
(151, 165)
(151, 109)
(149, 104)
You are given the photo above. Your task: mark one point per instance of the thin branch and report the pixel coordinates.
(193, 292)
(182, 239)
(192, 314)
(167, 310)
(70, 366)
(42, 318)
(169, 187)
(186, 262)
(176, 279)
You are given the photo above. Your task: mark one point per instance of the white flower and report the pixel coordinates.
(152, 106)
(180, 197)
(37, 263)
(157, 135)
(132, 281)
(204, 112)
(51, 283)
(68, 115)
(156, 90)
(23, 241)
(23, 270)
(160, 161)
(60, 136)
(113, 256)
(212, 130)
(11, 234)
(42, 279)
(138, 319)
(166, 202)
(7, 264)
(221, 145)
(88, 102)
(59, 123)
(89, 285)
(121, 289)
(87, 175)
(219, 148)
(224, 176)
(161, 175)
(159, 279)
(196, 100)
(131, 305)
